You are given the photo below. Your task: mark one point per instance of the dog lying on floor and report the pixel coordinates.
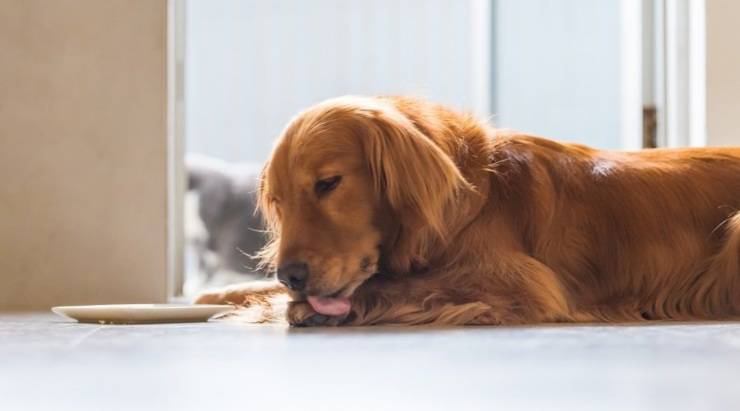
(395, 210)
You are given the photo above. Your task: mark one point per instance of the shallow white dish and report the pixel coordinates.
(141, 313)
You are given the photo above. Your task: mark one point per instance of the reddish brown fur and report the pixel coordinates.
(471, 225)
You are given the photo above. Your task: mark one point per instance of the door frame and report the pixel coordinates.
(176, 178)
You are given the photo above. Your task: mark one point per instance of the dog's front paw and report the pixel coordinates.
(301, 314)
(216, 297)
(242, 294)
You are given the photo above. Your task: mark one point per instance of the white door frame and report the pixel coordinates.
(175, 147)
(663, 66)
(679, 72)
(631, 74)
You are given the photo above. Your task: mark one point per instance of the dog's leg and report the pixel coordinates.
(414, 301)
(520, 291)
(527, 292)
(243, 293)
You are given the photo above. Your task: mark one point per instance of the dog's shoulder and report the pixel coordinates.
(522, 150)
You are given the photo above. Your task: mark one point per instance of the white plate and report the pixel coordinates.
(141, 313)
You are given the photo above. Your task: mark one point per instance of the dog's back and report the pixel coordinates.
(654, 232)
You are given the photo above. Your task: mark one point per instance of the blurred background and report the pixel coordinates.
(609, 74)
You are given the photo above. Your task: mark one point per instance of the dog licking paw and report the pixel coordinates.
(301, 314)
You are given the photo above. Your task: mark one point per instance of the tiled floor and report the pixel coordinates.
(50, 363)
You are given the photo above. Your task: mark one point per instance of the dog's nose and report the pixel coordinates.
(293, 275)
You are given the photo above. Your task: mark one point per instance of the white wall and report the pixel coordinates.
(557, 69)
(251, 65)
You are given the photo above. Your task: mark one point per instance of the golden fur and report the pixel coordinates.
(440, 218)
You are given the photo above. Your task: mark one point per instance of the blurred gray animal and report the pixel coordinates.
(226, 198)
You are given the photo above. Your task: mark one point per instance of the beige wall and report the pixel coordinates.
(82, 152)
(723, 72)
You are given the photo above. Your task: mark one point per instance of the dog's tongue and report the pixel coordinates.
(330, 305)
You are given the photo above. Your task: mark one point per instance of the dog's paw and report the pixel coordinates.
(241, 294)
(213, 297)
(301, 314)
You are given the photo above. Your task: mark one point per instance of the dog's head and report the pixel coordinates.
(346, 180)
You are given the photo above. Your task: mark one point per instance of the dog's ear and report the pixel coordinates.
(418, 178)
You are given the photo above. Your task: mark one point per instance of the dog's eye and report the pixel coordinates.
(326, 185)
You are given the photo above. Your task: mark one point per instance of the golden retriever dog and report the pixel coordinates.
(395, 210)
